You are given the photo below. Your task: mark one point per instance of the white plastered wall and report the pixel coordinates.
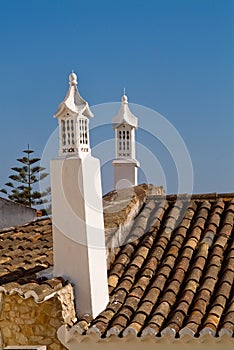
(78, 231)
(125, 174)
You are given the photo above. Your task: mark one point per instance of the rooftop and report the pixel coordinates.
(170, 264)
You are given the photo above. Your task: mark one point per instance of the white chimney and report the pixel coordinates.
(125, 164)
(77, 213)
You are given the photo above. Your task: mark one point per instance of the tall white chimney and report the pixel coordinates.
(125, 164)
(77, 213)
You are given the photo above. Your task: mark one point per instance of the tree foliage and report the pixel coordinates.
(21, 188)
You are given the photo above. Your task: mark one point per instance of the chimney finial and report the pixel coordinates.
(73, 78)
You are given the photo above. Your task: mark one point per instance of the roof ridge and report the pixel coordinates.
(201, 196)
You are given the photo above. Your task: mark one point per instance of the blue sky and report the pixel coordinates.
(173, 56)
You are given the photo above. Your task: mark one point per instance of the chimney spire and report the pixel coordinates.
(125, 165)
(77, 213)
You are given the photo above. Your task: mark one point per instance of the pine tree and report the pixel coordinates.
(22, 189)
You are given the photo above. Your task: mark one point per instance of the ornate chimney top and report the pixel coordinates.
(73, 114)
(125, 116)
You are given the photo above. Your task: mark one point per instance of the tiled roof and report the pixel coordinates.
(175, 273)
(39, 289)
(171, 269)
(25, 250)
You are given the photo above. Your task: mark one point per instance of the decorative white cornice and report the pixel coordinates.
(73, 338)
(123, 161)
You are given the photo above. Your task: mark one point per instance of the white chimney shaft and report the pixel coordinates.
(77, 213)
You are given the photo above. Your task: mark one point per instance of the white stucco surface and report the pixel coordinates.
(125, 174)
(78, 230)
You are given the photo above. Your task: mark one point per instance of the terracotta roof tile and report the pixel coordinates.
(40, 291)
(179, 274)
(173, 272)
